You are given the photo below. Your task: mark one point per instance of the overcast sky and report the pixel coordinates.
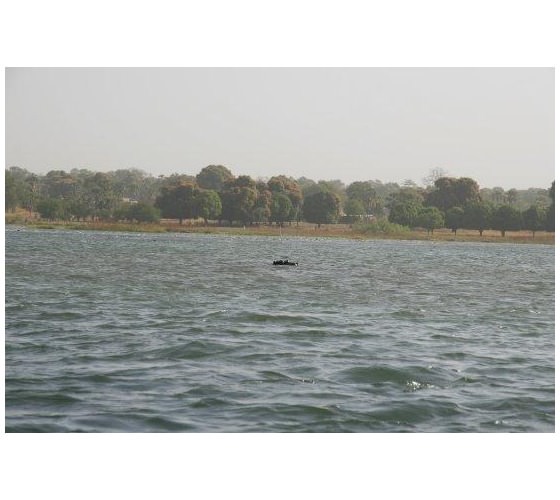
(494, 125)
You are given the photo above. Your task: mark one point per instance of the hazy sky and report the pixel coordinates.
(494, 125)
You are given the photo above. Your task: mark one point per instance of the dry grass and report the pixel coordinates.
(301, 229)
(346, 231)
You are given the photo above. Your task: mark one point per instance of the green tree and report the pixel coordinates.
(51, 209)
(534, 219)
(134, 184)
(506, 218)
(78, 208)
(365, 193)
(407, 196)
(178, 201)
(409, 183)
(498, 196)
(208, 205)
(354, 209)
(307, 186)
(98, 194)
(478, 215)
(17, 188)
(384, 191)
(292, 189)
(518, 198)
(405, 213)
(214, 177)
(59, 184)
(262, 208)
(239, 198)
(534, 196)
(429, 218)
(142, 212)
(512, 196)
(454, 218)
(281, 208)
(31, 192)
(449, 192)
(550, 225)
(322, 207)
(12, 196)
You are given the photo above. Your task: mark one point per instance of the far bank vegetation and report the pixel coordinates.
(215, 200)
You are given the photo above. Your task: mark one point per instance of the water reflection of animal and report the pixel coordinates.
(284, 262)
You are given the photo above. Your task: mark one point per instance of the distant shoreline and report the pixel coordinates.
(301, 230)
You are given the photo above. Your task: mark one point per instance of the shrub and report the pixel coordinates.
(380, 226)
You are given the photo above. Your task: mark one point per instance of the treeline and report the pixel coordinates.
(215, 194)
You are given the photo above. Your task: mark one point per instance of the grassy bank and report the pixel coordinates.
(302, 229)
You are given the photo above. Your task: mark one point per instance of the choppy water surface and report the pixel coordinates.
(200, 333)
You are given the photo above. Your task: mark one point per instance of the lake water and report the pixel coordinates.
(119, 332)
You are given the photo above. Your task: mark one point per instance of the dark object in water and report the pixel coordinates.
(284, 262)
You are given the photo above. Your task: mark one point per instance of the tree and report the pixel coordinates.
(512, 196)
(407, 195)
(404, 205)
(208, 204)
(98, 194)
(550, 212)
(409, 183)
(19, 188)
(214, 177)
(12, 199)
(177, 202)
(307, 186)
(135, 184)
(534, 219)
(405, 213)
(281, 208)
(454, 218)
(506, 218)
(335, 186)
(262, 208)
(354, 209)
(143, 212)
(384, 190)
(519, 198)
(78, 208)
(291, 188)
(59, 184)
(239, 197)
(478, 215)
(31, 192)
(449, 192)
(322, 207)
(498, 196)
(51, 209)
(429, 218)
(434, 175)
(365, 193)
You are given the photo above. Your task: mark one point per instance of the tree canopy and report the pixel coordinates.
(478, 215)
(214, 177)
(449, 192)
(177, 202)
(506, 218)
(216, 194)
(322, 207)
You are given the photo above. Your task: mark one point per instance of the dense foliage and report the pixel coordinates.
(215, 194)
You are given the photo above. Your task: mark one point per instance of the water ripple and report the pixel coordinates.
(114, 332)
